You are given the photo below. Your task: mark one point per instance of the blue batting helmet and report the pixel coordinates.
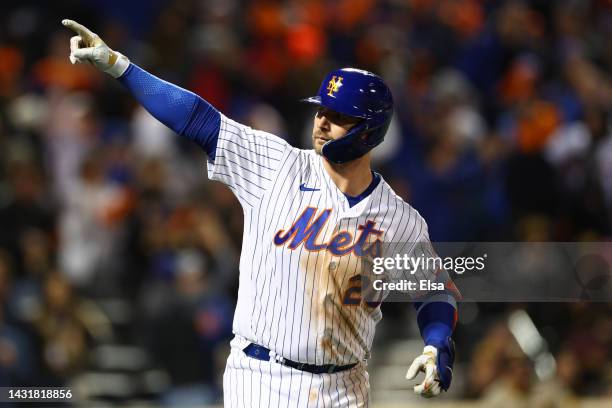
(360, 94)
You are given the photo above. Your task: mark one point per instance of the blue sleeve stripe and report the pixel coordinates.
(436, 321)
(203, 126)
(439, 297)
(181, 110)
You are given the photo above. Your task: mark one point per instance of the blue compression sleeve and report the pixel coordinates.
(436, 322)
(182, 111)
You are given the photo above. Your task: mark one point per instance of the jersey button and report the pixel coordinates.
(333, 266)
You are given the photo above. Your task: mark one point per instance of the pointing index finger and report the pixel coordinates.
(81, 30)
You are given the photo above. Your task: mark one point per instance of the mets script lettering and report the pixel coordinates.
(306, 230)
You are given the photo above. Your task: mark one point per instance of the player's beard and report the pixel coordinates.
(317, 143)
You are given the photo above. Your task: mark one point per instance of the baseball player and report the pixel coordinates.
(313, 219)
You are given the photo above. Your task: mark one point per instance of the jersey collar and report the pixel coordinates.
(343, 207)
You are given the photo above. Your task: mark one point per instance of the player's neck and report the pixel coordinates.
(351, 178)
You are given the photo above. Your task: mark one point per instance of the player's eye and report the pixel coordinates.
(335, 117)
(323, 112)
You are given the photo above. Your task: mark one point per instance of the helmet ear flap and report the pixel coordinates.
(369, 138)
(373, 136)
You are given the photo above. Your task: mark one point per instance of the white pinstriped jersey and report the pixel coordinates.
(303, 248)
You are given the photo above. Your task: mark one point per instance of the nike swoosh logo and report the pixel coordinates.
(304, 188)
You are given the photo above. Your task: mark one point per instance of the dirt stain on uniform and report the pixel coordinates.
(342, 312)
(338, 308)
(313, 395)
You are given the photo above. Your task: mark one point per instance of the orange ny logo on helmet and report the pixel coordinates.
(334, 84)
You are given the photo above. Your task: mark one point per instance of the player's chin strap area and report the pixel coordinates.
(261, 353)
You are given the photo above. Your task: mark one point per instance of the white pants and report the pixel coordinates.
(248, 382)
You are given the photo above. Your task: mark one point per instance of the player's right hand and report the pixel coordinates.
(87, 46)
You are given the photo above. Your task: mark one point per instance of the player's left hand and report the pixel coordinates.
(427, 363)
(437, 364)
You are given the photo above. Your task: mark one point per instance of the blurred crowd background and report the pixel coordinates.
(118, 258)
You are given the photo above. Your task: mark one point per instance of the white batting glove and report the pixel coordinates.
(89, 47)
(426, 362)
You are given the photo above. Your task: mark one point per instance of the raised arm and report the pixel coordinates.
(244, 159)
(181, 110)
